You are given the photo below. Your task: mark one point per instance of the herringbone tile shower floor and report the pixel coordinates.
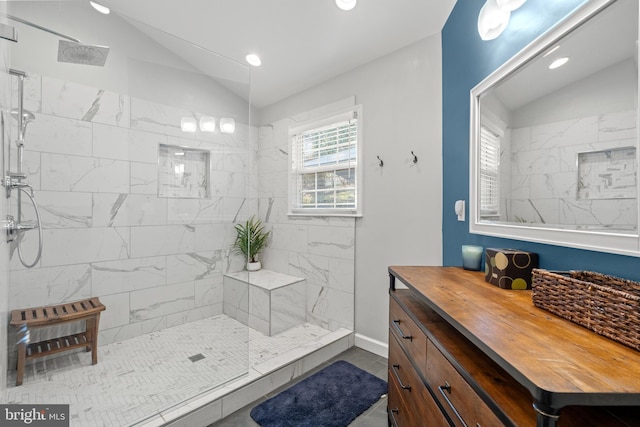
(139, 377)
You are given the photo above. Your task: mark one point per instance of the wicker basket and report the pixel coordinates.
(607, 305)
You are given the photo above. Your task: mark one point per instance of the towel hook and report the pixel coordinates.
(380, 162)
(415, 158)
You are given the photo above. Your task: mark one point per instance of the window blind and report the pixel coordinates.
(489, 168)
(324, 162)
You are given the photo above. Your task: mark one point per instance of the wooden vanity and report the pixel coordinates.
(463, 352)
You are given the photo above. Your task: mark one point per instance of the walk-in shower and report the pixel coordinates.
(89, 141)
(149, 233)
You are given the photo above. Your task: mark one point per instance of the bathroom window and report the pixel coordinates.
(324, 176)
(489, 171)
(183, 172)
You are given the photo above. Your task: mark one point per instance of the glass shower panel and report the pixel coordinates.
(152, 244)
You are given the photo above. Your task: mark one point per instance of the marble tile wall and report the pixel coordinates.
(320, 249)
(5, 84)
(155, 262)
(544, 181)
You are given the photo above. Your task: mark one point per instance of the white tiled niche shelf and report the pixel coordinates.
(183, 172)
(265, 300)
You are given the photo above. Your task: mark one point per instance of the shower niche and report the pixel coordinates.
(183, 172)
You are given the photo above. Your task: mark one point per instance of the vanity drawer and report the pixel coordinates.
(409, 335)
(412, 390)
(399, 415)
(455, 394)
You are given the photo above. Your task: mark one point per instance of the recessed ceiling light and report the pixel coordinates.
(253, 59)
(559, 62)
(346, 4)
(100, 8)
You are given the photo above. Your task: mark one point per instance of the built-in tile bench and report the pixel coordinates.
(264, 300)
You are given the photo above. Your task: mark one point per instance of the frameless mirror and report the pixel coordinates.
(554, 141)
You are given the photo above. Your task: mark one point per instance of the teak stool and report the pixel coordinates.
(24, 319)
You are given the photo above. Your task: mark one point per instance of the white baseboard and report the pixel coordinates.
(374, 346)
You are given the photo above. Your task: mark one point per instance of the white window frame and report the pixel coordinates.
(295, 169)
(489, 165)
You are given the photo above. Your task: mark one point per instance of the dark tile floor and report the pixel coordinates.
(376, 416)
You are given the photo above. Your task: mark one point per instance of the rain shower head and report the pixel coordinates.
(78, 53)
(72, 51)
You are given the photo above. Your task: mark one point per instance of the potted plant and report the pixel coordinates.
(251, 239)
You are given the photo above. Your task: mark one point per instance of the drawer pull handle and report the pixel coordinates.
(447, 387)
(395, 372)
(393, 416)
(396, 323)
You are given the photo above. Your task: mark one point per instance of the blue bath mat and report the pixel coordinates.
(332, 397)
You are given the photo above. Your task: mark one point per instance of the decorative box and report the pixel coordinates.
(509, 268)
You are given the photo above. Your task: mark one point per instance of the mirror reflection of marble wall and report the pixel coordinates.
(544, 172)
(546, 118)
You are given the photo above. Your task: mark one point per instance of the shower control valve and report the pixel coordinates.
(11, 226)
(14, 227)
(10, 184)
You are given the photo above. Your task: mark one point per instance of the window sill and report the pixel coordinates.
(320, 214)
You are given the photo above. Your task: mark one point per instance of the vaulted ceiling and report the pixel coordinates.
(301, 42)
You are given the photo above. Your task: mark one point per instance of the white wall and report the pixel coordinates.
(402, 223)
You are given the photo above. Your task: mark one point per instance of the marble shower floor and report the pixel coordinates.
(137, 379)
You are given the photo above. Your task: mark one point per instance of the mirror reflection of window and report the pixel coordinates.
(489, 172)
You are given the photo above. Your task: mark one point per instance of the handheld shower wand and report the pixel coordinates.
(20, 115)
(27, 116)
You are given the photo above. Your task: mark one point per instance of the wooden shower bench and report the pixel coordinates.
(37, 317)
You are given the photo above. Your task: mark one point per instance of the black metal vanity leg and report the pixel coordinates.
(392, 282)
(546, 416)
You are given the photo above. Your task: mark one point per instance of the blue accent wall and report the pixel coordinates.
(466, 61)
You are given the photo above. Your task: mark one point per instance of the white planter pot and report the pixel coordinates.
(254, 266)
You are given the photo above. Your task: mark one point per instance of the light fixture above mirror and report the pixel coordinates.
(510, 5)
(494, 17)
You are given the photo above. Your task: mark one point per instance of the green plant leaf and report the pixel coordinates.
(251, 238)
